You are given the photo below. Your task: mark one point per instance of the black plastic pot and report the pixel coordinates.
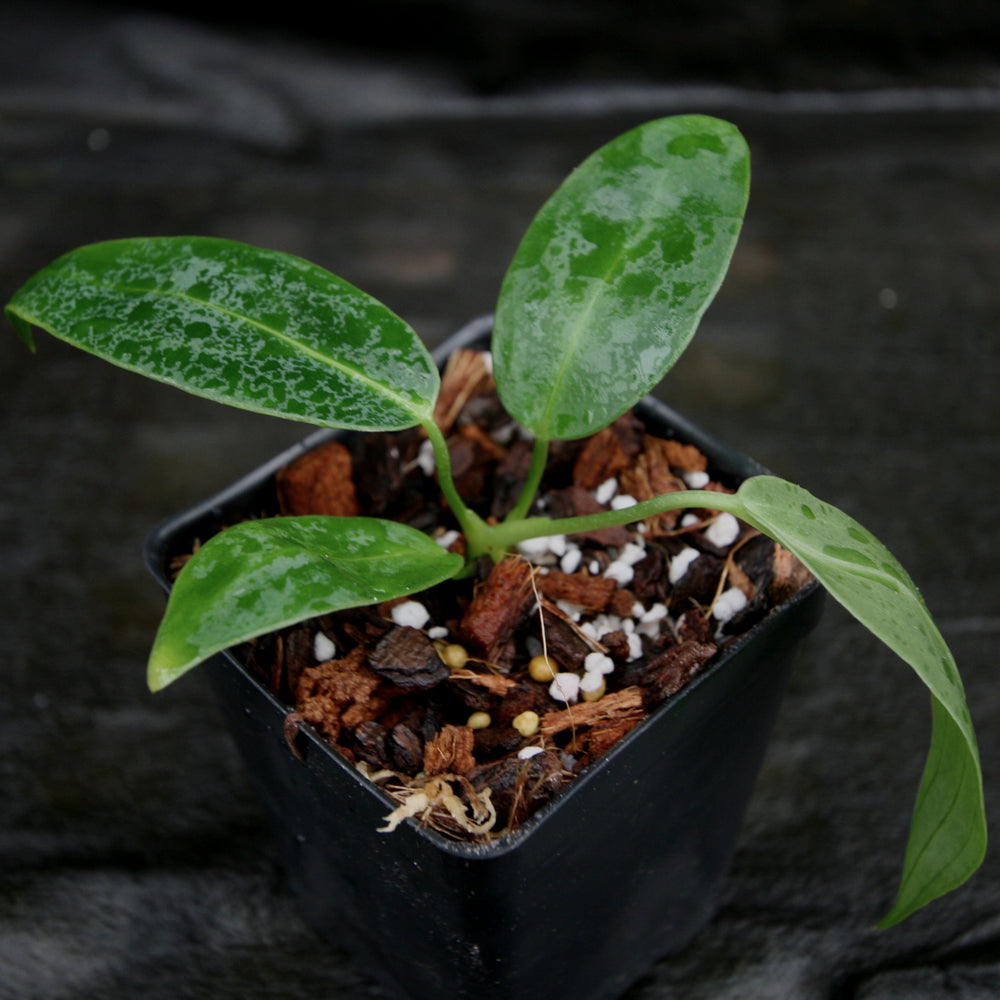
(623, 867)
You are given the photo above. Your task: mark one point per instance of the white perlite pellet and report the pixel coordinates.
(546, 548)
(598, 663)
(620, 572)
(723, 531)
(438, 632)
(572, 611)
(623, 501)
(447, 539)
(632, 553)
(411, 613)
(526, 753)
(680, 562)
(570, 562)
(729, 603)
(324, 647)
(655, 614)
(425, 458)
(565, 687)
(606, 491)
(695, 480)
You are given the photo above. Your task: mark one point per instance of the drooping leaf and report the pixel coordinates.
(258, 576)
(947, 839)
(609, 283)
(258, 329)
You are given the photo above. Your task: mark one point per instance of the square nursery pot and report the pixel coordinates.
(621, 868)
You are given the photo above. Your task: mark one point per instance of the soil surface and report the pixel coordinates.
(475, 702)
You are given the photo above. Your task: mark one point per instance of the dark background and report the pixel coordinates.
(406, 146)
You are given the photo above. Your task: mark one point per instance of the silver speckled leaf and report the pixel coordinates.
(254, 328)
(948, 832)
(610, 281)
(258, 576)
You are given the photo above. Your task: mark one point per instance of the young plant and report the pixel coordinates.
(603, 295)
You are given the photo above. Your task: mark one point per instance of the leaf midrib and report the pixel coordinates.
(378, 387)
(577, 328)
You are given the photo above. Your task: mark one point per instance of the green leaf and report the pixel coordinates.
(610, 281)
(948, 832)
(254, 328)
(258, 576)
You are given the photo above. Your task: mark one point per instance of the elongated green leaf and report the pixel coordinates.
(254, 328)
(258, 576)
(610, 281)
(948, 833)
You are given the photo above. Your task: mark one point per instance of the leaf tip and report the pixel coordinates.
(895, 916)
(22, 327)
(165, 666)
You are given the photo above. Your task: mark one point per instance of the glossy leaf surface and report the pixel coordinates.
(948, 833)
(258, 576)
(608, 285)
(258, 329)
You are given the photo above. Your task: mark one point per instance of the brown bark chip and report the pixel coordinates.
(406, 749)
(608, 452)
(518, 787)
(450, 752)
(565, 642)
(298, 655)
(790, 576)
(602, 736)
(405, 657)
(499, 607)
(319, 482)
(575, 501)
(669, 671)
(370, 743)
(581, 589)
(619, 704)
(649, 476)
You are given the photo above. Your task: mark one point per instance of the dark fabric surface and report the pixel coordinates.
(853, 348)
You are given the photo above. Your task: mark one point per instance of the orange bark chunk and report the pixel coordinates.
(319, 482)
(450, 752)
(607, 453)
(338, 693)
(650, 476)
(682, 456)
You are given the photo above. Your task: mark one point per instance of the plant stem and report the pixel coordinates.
(482, 538)
(539, 456)
(509, 533)
(471, 524)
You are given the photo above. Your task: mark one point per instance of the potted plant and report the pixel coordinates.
(603, 295)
